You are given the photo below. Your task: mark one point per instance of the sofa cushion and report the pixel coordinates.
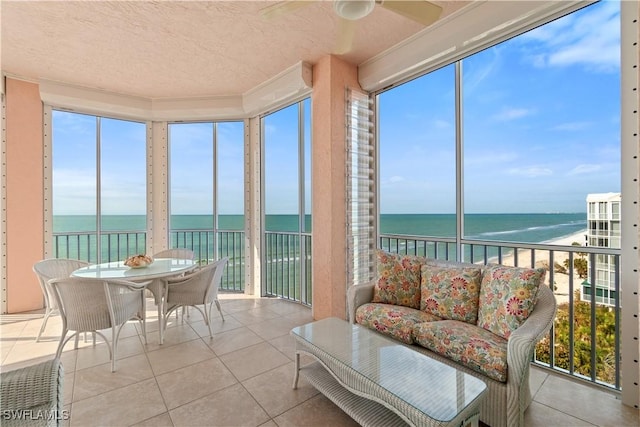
(470, 345)
(393, 320)
(507, 297)
(398, 279)
(451, 292)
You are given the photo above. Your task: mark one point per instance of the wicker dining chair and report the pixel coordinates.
(192, 290)
(88, 305)
(157, 286)
(53, 268)
(180, 253)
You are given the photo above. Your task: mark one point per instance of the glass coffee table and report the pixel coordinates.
(378, 381)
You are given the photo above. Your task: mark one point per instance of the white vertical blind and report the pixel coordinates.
(360, 190)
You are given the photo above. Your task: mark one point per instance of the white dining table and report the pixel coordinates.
(157, 272)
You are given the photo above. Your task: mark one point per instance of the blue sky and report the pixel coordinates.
(540, 123)
(541, 126)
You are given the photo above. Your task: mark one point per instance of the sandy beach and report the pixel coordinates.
(561, 280)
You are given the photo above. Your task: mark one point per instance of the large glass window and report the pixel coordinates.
(191, 176)
(99, 187)
(206, 176)
(417, 177)
(538, 126)
(539, 130)
(287, 202)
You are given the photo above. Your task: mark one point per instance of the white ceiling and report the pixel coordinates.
(181, 49)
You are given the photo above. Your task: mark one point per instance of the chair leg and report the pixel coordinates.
(62, 342)
(44, 324)
(160, 322)
(77, 338)
(207, 318)
(114, 345)
(219, 309)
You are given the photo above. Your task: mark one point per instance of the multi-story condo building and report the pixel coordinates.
(603, 230)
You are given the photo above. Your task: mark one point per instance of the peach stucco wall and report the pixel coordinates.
(331, 77)
(24, 202)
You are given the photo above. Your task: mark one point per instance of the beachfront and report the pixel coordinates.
(562, 285)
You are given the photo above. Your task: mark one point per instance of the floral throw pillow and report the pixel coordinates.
(507, 297)
(450, 292)
(398, 279)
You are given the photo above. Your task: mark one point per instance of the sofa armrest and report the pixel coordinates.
(356, 296)
(520, 350)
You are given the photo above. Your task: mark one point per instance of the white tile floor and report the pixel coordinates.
(242, 377)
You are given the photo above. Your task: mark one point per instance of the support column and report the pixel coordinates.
(331, 77)
(252, 208)
(157, 187)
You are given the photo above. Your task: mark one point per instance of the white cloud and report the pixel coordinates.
(572, 126)
(590, 40)
(508, 114)
(489, 159)
(584, 169)
(441, 124)
(474, 76)
(396, 178)
(531, 171)
(75, 193)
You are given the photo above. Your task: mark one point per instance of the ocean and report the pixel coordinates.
(525, 228)
(124, 235)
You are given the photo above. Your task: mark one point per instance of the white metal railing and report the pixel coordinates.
(584, 342)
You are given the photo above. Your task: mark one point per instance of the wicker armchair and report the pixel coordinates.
(180, 253)
(46, 270)
(198, 288)
(156, 287)
(88, 305)
(32, 396)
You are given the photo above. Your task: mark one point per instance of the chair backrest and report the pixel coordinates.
(180, 253)
(217, 277)
(199, 287)
(54, 268)
(89, 304)
(82, 302)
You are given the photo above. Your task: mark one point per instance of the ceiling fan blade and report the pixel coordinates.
(282, 8)
(346, 33)
(424, 12)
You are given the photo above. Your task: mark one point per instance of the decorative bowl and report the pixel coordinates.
(138, 261)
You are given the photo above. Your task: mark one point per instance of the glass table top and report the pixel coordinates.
(161, 267)
(434, 388)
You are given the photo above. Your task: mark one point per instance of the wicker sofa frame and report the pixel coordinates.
(504, 403)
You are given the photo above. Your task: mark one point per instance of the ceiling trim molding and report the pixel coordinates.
(218, 107)
(479, 25)
(285, 88)
(94, 101)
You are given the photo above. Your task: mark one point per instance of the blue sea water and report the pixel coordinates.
(526, 228)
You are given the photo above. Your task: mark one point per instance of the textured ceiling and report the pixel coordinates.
(181, 49)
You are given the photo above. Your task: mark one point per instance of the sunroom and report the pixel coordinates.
(180, 124)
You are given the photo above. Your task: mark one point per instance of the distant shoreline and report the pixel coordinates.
(563, 286)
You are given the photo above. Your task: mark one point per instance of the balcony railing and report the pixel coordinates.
(208, 245)
(585, 339)
(287, 266)
(287, 271)
(584, 342)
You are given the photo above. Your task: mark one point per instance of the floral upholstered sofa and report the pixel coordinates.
(482, 319)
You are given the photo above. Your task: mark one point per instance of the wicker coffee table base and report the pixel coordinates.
(365, 409)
